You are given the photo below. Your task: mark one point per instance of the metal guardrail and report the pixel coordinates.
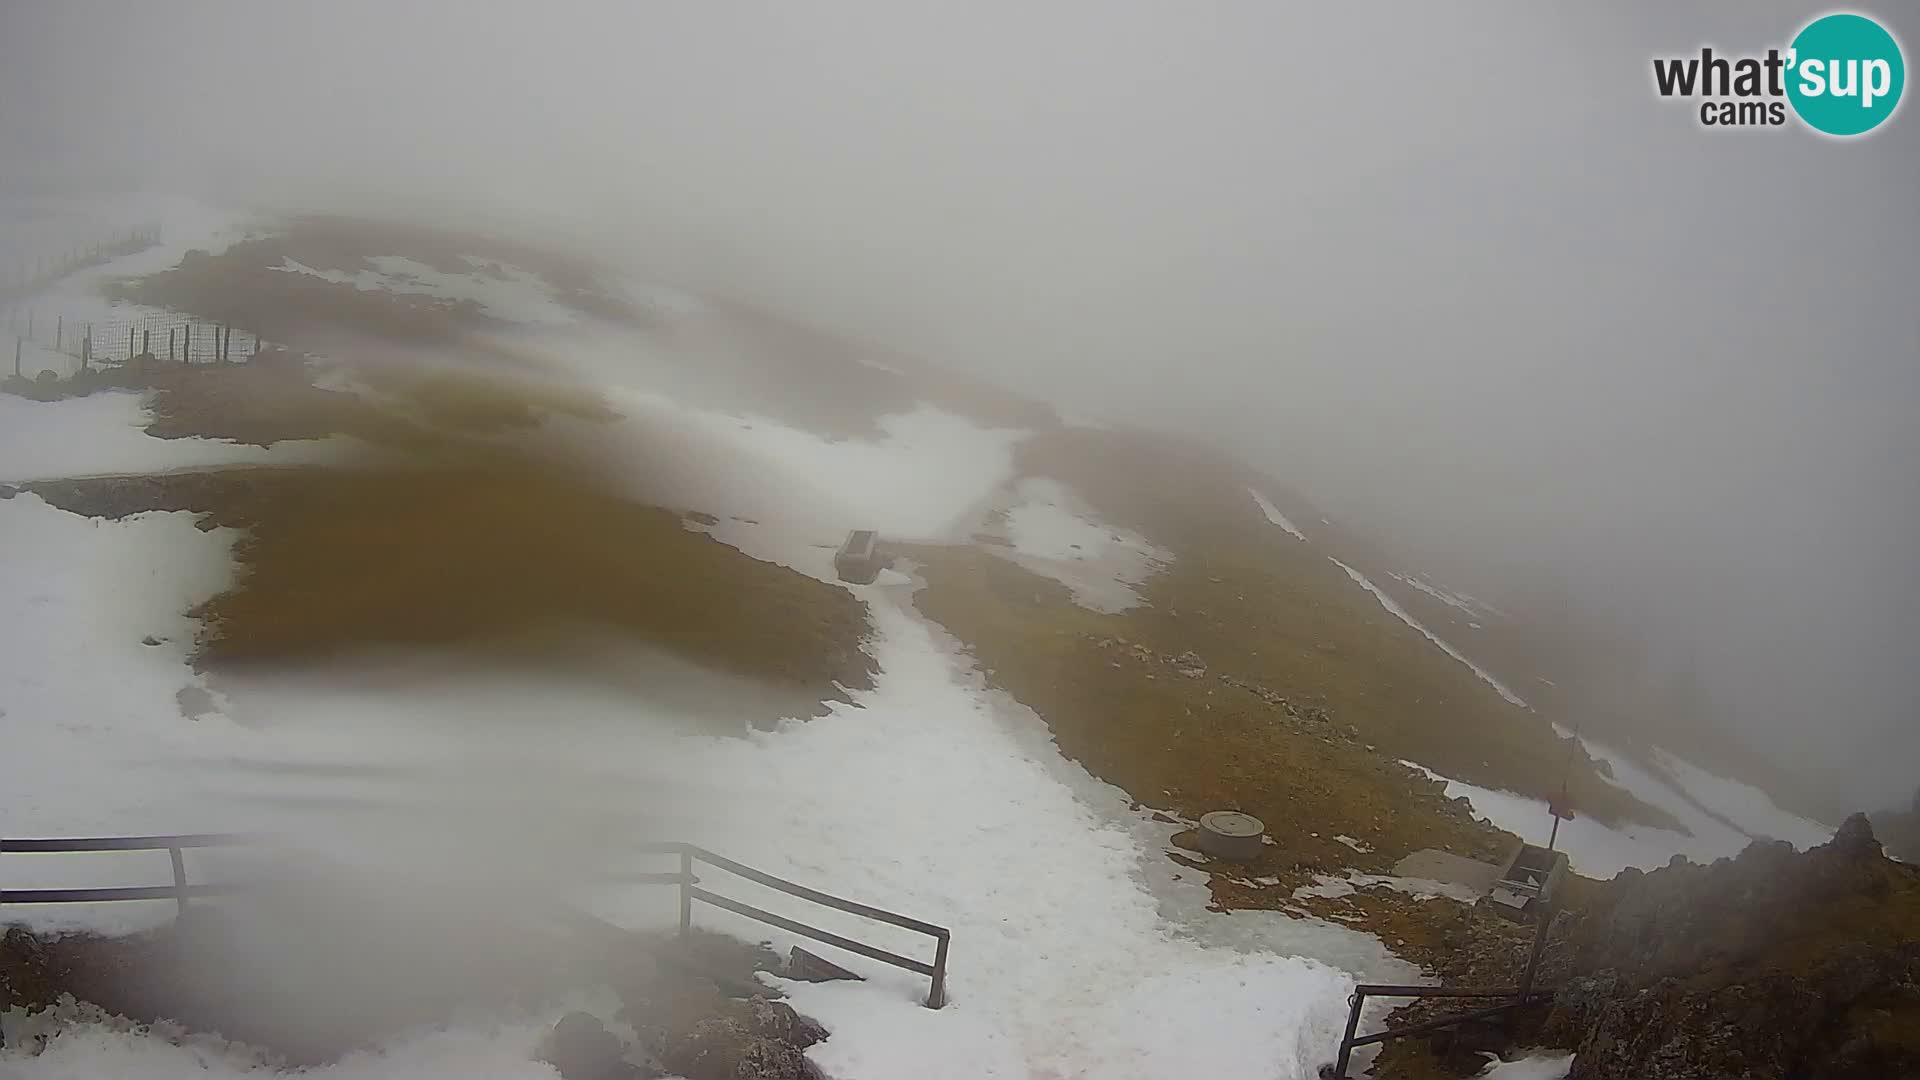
(1521, 996)
(690, 891)
(181, 891)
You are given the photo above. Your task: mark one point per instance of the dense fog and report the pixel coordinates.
(1457, 275)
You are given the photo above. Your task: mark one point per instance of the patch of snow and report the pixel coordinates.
(185, 225)
(103, 434)
(81, 1050)
(34, 357)
(1593, 847)
(1400, 613)
(1544, 1067)
(1749, 808)
(1052, 533)
(1065, 960)
(1362, 848)
(1329, 886)
(789, 496)
(1325, 886)
(87, 707)
(1452, 600)
(1275, 516)
(503, 291)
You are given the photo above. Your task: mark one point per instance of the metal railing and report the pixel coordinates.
(690, 891)
(180, 891)
(1520, 995)
(689, 885)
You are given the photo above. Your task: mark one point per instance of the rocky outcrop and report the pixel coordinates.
(1853, 1016)
(1775, 965)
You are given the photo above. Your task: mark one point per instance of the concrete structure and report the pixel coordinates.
(859, 560)
(1231, 835)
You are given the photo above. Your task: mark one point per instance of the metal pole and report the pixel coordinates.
(686, 895)
(937, 997)
(1539, 946)
(1346, 1041)
(179, 878)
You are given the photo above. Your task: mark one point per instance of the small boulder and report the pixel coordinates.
(582, 1048)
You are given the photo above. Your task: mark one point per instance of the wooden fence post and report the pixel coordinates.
(171, 330)
(59, 331)
(86, 347)
(16, 358)
(146, 343)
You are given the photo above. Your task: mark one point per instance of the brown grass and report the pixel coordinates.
(1256, 603)
(1189, 745)
(340, 560)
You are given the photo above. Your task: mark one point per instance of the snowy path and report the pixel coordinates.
(919, 797)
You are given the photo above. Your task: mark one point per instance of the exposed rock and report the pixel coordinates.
(1840, 1020)
(756, 1039)
(1775, 965)
(1854, 839)
(582, 1048)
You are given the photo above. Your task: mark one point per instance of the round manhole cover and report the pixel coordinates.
(1232, 823)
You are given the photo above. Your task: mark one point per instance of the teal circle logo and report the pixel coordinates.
(1845, 74)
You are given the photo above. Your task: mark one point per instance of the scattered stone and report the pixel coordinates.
(701, 517)
(150, 640)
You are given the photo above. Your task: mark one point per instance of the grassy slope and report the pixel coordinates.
(1254, 601)
(1268, 608)
(1184, 744)
(337, 560)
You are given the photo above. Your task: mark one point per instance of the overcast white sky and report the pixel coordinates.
(1455, 272)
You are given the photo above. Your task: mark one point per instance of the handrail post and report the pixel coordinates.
(686, 894)
(937, 997)
(1346, 1041)
(179, 878)
(1539, 946)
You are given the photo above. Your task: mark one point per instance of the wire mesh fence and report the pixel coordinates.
(28, 276)
(77, 346)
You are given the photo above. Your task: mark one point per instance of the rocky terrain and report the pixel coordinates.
(1775, 965)
(1254, 673)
